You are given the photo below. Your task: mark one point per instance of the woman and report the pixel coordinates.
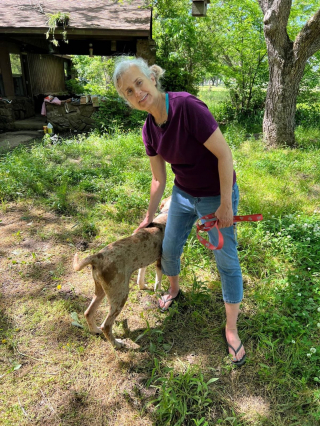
(180, 130)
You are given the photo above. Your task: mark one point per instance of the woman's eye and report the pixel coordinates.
(129, 92)
(139, 83)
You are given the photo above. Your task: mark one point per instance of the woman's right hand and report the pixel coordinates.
(146, 221)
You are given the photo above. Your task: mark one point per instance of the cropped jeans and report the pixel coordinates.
(183, 212)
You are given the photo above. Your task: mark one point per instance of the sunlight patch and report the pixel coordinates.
(253, 407)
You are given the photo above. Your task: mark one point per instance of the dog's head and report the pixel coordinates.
(165, 204)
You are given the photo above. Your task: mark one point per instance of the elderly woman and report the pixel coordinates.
(181, 131)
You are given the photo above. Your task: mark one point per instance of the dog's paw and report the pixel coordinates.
(126, 344)
(117, 344)
(142, 286)
(96, 330)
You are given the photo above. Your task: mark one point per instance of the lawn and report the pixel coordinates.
(85, 192)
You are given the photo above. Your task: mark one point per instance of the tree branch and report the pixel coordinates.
(276, 14)
(307, 41)
(275, 21)
(228, 61)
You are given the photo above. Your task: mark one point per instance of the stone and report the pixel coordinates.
(70, 117)
(17, 109)
(146, 49)
(86, 110)
(87, 120)
(82, 127)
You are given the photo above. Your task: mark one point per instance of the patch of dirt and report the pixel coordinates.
(10, 140)
(253, 407)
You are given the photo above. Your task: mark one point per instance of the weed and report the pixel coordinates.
(180, 397)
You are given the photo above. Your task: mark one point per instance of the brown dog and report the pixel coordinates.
(113, 266)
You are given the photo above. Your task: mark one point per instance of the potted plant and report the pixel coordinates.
(59, 19)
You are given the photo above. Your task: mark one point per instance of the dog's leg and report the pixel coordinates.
(90, 312)
(106, 326)
(157, 285)
(116, 306)
(140, 279)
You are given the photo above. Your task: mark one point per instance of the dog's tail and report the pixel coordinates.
(77, 266)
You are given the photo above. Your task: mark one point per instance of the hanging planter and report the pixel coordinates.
(59, 19)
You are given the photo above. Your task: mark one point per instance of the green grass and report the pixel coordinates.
(97, 188)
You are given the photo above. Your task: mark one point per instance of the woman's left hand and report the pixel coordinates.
(224, 214)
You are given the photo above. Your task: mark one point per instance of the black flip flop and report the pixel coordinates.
(243, 359)
(172, 300)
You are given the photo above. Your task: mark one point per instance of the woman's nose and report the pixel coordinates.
(137, 92)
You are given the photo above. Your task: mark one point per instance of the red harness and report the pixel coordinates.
(210, 224)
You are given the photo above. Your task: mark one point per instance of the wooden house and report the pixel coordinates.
(32, 66)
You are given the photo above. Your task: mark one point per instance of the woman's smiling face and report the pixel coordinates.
(138, 89)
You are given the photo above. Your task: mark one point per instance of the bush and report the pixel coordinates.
(221, 107)
(74, 86)
(308, 114)
(176, 77)
(114, 113)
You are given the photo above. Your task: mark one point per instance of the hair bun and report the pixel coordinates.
(157, 71)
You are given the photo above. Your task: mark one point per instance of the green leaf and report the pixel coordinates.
(214, 379)
(17, 366)
(166, 347)
(76, 324)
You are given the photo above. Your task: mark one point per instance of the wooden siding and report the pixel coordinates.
(47, 74)
(5, 70)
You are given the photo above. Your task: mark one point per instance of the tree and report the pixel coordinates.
(287, 62)
(228, 43)
(184, 48)
(236, 33)
(93, 74)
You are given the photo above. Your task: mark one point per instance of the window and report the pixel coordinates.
(16, 69)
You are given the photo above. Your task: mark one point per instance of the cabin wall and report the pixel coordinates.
(46, 74)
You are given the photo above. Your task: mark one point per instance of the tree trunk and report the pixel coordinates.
(287, 61)
(280, 107)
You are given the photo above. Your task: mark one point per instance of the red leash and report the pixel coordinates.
(210, 224)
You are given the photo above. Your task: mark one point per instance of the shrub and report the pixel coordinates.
(308, 114)
(74, 86)
(114, 113)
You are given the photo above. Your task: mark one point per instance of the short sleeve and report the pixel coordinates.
(199, 120)
(149, 150)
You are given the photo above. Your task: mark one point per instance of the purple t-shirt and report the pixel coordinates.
(180, 143)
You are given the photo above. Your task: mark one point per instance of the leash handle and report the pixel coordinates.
(212, 222)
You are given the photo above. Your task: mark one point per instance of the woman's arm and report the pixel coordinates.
(158, 184)
(219, 147)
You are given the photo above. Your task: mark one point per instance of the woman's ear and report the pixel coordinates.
(153, 79)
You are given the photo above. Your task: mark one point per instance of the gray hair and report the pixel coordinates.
(125, 62)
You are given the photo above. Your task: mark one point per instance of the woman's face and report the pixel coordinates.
(138, 89)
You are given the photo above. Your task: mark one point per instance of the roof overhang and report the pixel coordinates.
(102, 23)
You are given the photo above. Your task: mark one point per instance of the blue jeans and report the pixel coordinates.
(184, 211)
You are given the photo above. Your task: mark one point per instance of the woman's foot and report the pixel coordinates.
(168, 299)
(235, 346)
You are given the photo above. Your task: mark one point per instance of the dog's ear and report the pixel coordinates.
(163, 202)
